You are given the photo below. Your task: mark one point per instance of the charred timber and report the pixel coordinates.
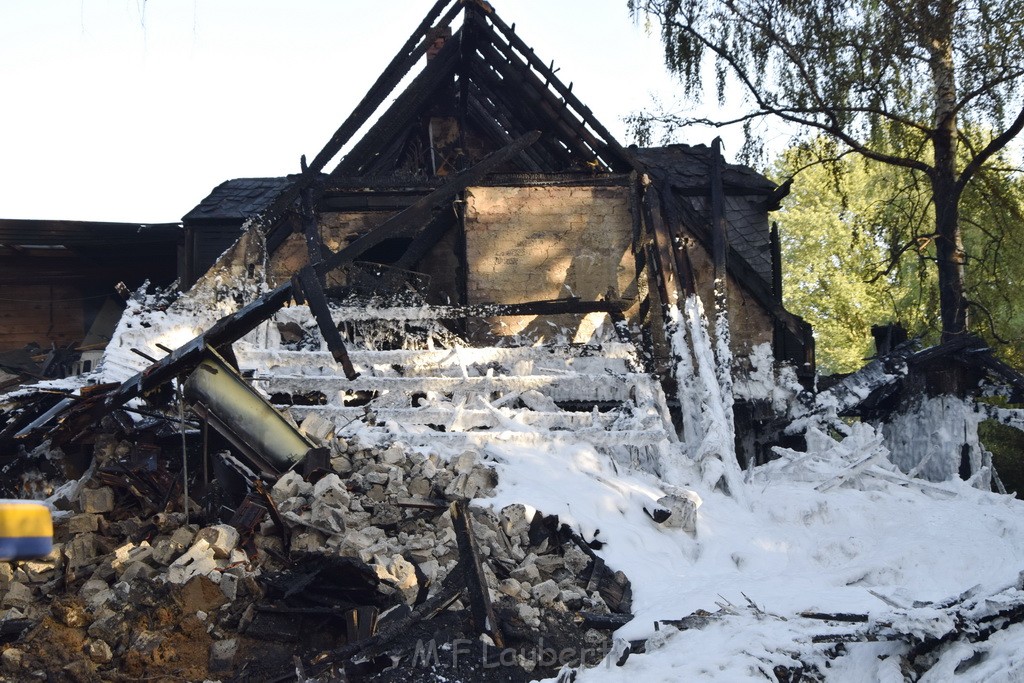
(415, 47)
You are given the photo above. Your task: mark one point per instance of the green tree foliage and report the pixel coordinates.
(930, 86)
(860, 249)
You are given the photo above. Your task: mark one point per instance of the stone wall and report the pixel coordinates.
(548, 242)
(533, 243)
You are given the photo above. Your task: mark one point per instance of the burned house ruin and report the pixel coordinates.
(447, 204)
(486, 267)
(284, 471)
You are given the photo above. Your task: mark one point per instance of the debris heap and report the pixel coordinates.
(367, 559)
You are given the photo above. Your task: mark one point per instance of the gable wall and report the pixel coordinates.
(548, 242)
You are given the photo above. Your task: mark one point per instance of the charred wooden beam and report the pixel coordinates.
(796, 327)
(719, 230)
(846, 617)
(389, 160)
(181, 361)
(236, 325)
(776, 246)
(516, 73)
(571, 306)
(603, 622)
(405, 108)
(487, 107)
(495, 125)
(488, 75)
(680, 248)
(313, 292)
(667, 281)
(310, 227)
(415, 47)
(481, 609)
(451, 591)
(625, 160)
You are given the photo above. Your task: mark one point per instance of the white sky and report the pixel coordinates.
(133, 110)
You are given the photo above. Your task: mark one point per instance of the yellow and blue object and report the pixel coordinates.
(26, 530)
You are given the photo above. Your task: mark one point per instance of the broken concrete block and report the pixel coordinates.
(331, 490)
(309, 541)
(167, 522)
(6, 574)
(184, 535)
(290, 484)
(378, 478)
(137, 570)
(529, 614)
(81, 550)
(18, 596)
(82, 523)
(69, 612)
(341, 464)
(476, 482)
(91, 588)
(527, 572)
(430, 569)
(510, 587)
(514, 521)
(100, 599)
(96, 500)
(98, 651)
(465, 462)
(165, 551)
(399, 573)
(429, 469)
(682, 511)
(328, 516)
(575, 560)
(199, 560)
(107, 625)
(12, 657)
(221, 538)
(229, 586)
(545, 592)
(317, 428)
(222, 654)
(419, 486)
(395, 454)
(128, 553)
(37, 572)
(146, 642)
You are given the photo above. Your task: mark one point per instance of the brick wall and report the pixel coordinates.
(536, 243)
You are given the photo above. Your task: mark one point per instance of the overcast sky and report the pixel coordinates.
(133, 110)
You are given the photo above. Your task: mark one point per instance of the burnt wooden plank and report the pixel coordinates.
(617, 153)
(401, 113)
(661, 241)
(313, 291)
(719, 234)
(505, 64)
(518, 109)
(481, 609)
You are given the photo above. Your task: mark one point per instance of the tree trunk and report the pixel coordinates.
(950, 254)
(948, 241)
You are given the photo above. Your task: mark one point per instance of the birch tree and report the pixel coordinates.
(931, 86)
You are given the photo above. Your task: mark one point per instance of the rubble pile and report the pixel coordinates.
(370, 558)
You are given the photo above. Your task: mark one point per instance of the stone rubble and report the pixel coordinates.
(153, 596)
